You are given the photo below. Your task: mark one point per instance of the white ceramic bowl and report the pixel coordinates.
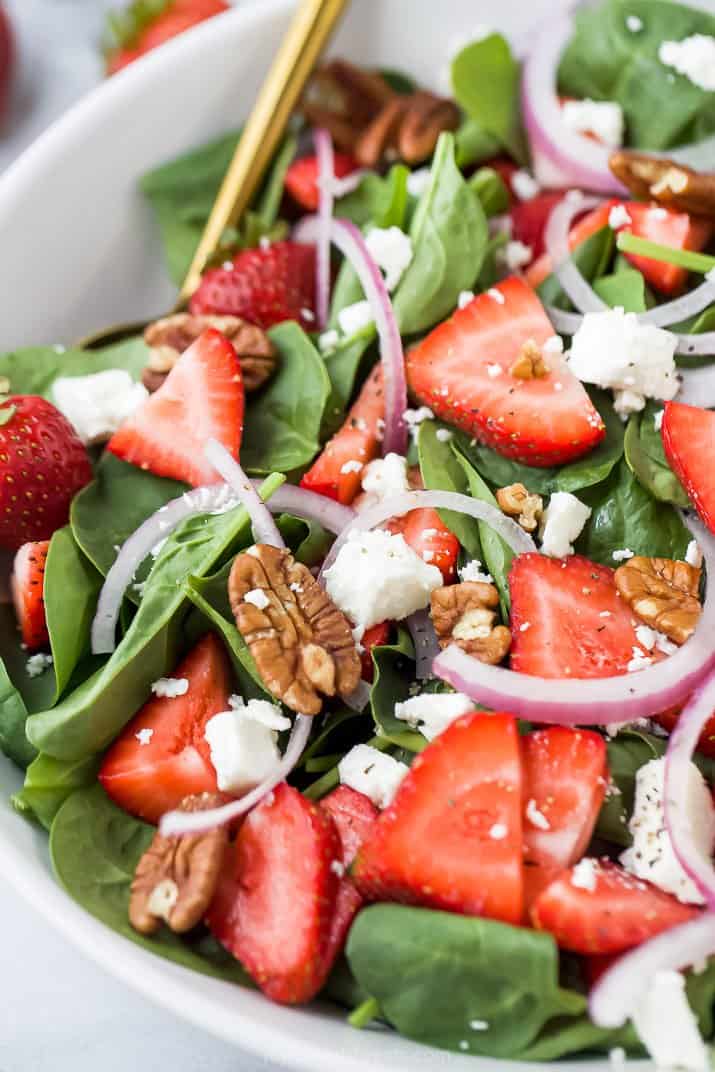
(79, 252)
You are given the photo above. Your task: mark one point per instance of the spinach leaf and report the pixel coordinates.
(474, 144)
(449, 236)
(624, 515)
(37, 692)
(48, 783)
(497, 554)
(485, 79)
(33, 370)
(591, 256)
(625, 288)
(607, 61)
(442, 471)
(394, 670)
(114, 505)
(282, 431)
(646, 459)
(491, 190)
(13, 716)
(380, 201)
(89, 718)
(343, 366)
(71, 588)
(95, 848)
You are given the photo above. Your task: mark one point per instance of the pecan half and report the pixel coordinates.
(176, 878)
(665, 181)
(663, 593)
(530, 364)
(465, 614)
(302, 644)
(168, 338)
(515, 501)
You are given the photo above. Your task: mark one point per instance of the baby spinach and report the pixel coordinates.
(497, 554)
(474, 144)
(95, 848)
(625, 288)
(13, 716)
(449, 237)
(380, 201)
(625, 515)
(394, 669)
(646, 459)
(71, 588)
(89, 718)
(491, 190)
(33, 370)
(485, 79)
(343, 366)
(282, 430)
(441, 471)
(37, 692)
(48, 783)
(606, 60)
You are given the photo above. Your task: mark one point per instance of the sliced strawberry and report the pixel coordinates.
(337, 473)
(151, 25)
(162, 755)
(537, 272)
(462, 370)
(266, 286)
(373, 638)
(452, 837)
(675, 229)
(529, 219)
(275, 902)
(353, 814)
(505, 169)
(567, 619)
(619, 913)
(201, 398)
(28, 577)
(427, 534)
(689, 441)
(301, 180)
(565, 778)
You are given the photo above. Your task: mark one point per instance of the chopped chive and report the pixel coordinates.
(322, 787)
(681, 258)
(364, 1014)
(320, 764)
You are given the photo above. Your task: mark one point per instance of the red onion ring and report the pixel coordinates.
(349, 240)
(697, 345)
(326, 180)
(698, 387)
(290, 499)
(556, 237)
(349, 183)
(264, 527)
(661, 316)
(176, 823)
(616, 993)
(425, 641)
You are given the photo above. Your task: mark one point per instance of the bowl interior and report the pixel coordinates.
(80, 252)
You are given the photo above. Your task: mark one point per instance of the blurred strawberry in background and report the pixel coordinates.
(146, 24)
(7, 60)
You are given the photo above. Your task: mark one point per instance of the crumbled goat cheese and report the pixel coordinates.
(537, 817)
(465, 298)
(479, 1025)
(498, 832)
(338, 868)
(170, 687)
(354, 318)
(374, 773)
(637, 361)
(623, 555)
(693, 554)
(618, 217)
(431, 713)
(651, 855)
(98, 404)
(386, 477)
(658, 419)
(584, 874)
(351, 467)
(258, 598)
(308, 315)
(562, 523)
(666, 1025)
(493, 371)
(693, 57)
(243, 743)
(604, 119)
(377, 577)
(444, 435)
(328, 341)
(639, 661)
(392, 251)
(415, 417)
(37, 664)
(418, 181)
(516, 255)
(634, 24)
(524, 185)
(553, 345)
(144, 736)
(472, 571)
(496, 295)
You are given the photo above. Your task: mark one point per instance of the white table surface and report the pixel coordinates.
(58, 1011)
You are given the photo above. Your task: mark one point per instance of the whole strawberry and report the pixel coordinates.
(265, 285)
(146, 24)
(42, 465)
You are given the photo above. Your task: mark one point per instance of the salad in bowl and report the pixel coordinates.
(359, 641)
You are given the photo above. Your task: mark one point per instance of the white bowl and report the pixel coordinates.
(79, 252)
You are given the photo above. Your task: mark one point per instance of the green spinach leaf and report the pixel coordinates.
(474, 144)
(48, 783)
(625, 288)
(380, 201)
(13, 716)
(497, 554)
(646, 459)
(344, 366)
(485, 79)
(71, 588)
(491, 190)
(442, 471)
(33, 370)
(394, 669)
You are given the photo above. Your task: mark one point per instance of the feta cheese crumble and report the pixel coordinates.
(537, 817)
(562, 523)
(431, 713)
(623, 555)
(472, 571)
(374, 773)
(634, 24)
(666, 1025)
(170, 687)
(465, 298)
(516, 255)
(444, 435)
(352, 466)
(498, 832)
(37, 664)
(604, 119)
(658, 419)
(524, 185)
(385, 477)
(96, 405)
(328, 341)
(377, 577)
(553, 345)
(618, 217)
(392, 251)
(651, 855)
(258, 598)
(354, 318)
(693, 57)
(583, 876)
(144, 736)
(243, 743)
(496, 295)
(415, 417)
(639, 661)
(418, 181)
(693, 554)
(637, 361)
(493, 371)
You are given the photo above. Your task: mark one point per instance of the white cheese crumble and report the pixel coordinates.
(498, 832)
(328, 341)
(524, 185)
(258, 598)
(418, 181)
(553, 345)
(444, 435)
(374, 773)
(377, 577)
(479, 1025)
(392, 251)
(37, 664)
(634, 24)
(472, 571)
(243, 743)
(351, 467)
(637, 361)
(693, 554)
(516, 255)
(432, 713)
(465, 298)
(385, 477)
(354, 318)
(618, 217)
(658, 419)
(96, 405)
(562, 523)
(584, 874)
(493, 371)
(623, 555)
(337, 868)
(144, 736)
(496, 295)
(170, 687)
(693, 57)
(604, 119)
(638, 661)
(415, 417)
(651, 855)
(667, 1027)
(536, 817)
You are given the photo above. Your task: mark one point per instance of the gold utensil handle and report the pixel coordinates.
(308, 34)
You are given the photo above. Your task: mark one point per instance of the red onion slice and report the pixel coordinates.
(661, 316)
(326, 180)
(425, 641)
(262, 523)
(697, 345)
(565, 323)
(290, 499)
(176, 823)
(556, 237)
(698, 387)
(616, 993)
(681, 746)
(349, 183)
(350, 241)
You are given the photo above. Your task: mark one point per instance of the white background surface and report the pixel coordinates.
(58, 1011)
